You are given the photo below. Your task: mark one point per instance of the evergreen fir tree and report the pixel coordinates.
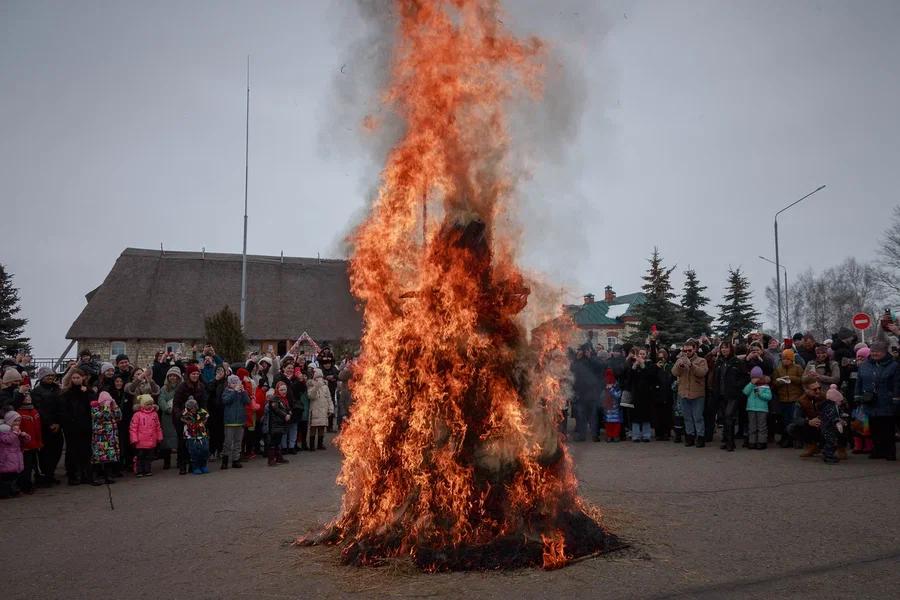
(658, 308)
(224, 332)
(11, 328)
(696, 320)
(737, 317)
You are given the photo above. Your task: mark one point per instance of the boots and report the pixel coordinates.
(237, 464)
(688, 440)
(701, 441)
(809, 450)
(678, 436)
(841, 454)
(320, 442)
(224, 462)
(279, 458)
(270, 454)
(167, 461)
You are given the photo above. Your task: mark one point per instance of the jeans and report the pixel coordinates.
(199, 451)
(693, 415)
(231, 446)
(640, 430)
(289, 439)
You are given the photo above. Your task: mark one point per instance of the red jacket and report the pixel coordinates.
(31, 424)
(145, 431)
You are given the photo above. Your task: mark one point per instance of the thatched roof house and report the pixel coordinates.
(152, 298)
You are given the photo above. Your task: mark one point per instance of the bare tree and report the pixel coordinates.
(889, 256)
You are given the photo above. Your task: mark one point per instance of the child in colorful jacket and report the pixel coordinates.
(196, 436)
(831, 425)
(612, 414)
(146, 433)
(105, 417)
(758, 397)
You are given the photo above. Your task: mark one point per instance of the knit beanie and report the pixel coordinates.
(174, 371)
(105, 398)
(860, 345)
(191, 404)
(878, 345)
(121, 357)
(191, 369)
(145, 400)
(756, 372)
(43, 372)
(863, 353)
(242, 372)
(104, 367)
(10, 417)
(234, 380)
(834, 394)
(12, 375)
(788, 354)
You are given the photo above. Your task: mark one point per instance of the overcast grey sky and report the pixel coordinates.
(685, 125)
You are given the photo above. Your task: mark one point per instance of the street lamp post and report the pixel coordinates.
(787, 305)
(777, 256)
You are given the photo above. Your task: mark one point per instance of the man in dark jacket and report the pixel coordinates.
(729, 378)
(77, 424)
(46, 399)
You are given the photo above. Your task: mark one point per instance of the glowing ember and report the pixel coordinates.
(452, 454)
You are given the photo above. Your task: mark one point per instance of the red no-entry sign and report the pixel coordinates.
(862, 321)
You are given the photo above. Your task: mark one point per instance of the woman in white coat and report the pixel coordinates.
(320, 407)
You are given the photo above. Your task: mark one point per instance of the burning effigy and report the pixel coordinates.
(452, 455)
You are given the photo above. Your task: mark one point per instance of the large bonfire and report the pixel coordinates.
(452, 454)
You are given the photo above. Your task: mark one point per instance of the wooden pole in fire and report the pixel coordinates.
(424, 217)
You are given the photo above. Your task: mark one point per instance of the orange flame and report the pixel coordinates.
(453, 439)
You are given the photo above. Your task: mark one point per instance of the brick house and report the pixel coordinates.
(604, 322)
(153, 299)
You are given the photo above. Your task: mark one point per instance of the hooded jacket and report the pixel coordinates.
(47, 401)
(788, 392)
(145, 430)
(233, 403)
(166, 407)
(11, 443)
(320, 405)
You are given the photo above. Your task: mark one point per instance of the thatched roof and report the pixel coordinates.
(154, 295)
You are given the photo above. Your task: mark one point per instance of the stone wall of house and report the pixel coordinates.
(140, 352)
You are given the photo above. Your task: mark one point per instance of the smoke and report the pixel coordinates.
(551, 211)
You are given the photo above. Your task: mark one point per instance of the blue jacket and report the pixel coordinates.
(882, 379)
(758, 397)
(233, 404)
(208, 372)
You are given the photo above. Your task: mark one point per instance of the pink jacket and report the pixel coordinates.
(145, 431)
(11, 459)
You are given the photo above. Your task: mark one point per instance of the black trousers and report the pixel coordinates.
(144, 459)
(663, 419)
(710, 408)
(184, 458)
(883, 437)
(729, 409)
(78, 455)
(302, 426)
(30, 473)
(49, 455)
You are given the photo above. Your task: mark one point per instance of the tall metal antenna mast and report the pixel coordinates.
(246, 176)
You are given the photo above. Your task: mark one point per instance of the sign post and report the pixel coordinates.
(862, 321)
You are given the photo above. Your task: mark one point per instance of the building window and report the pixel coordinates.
(611, 341)
(115, 349)
(174, 347)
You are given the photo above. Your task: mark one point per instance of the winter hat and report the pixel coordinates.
(12, 375)
(145, 400)
(788, 354)
(105, 398)
(863, 353)
(266, 359)
(234, 380)
(756, 372)
(828, 342)
(104, 367)
(317, 374)
(191, 369)
(191, 404)
(43, 372)
(857, 347)
(173, 371)
(10, 417)
(834, 394)
(121, 357)
(878, 345)
(242, 372)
